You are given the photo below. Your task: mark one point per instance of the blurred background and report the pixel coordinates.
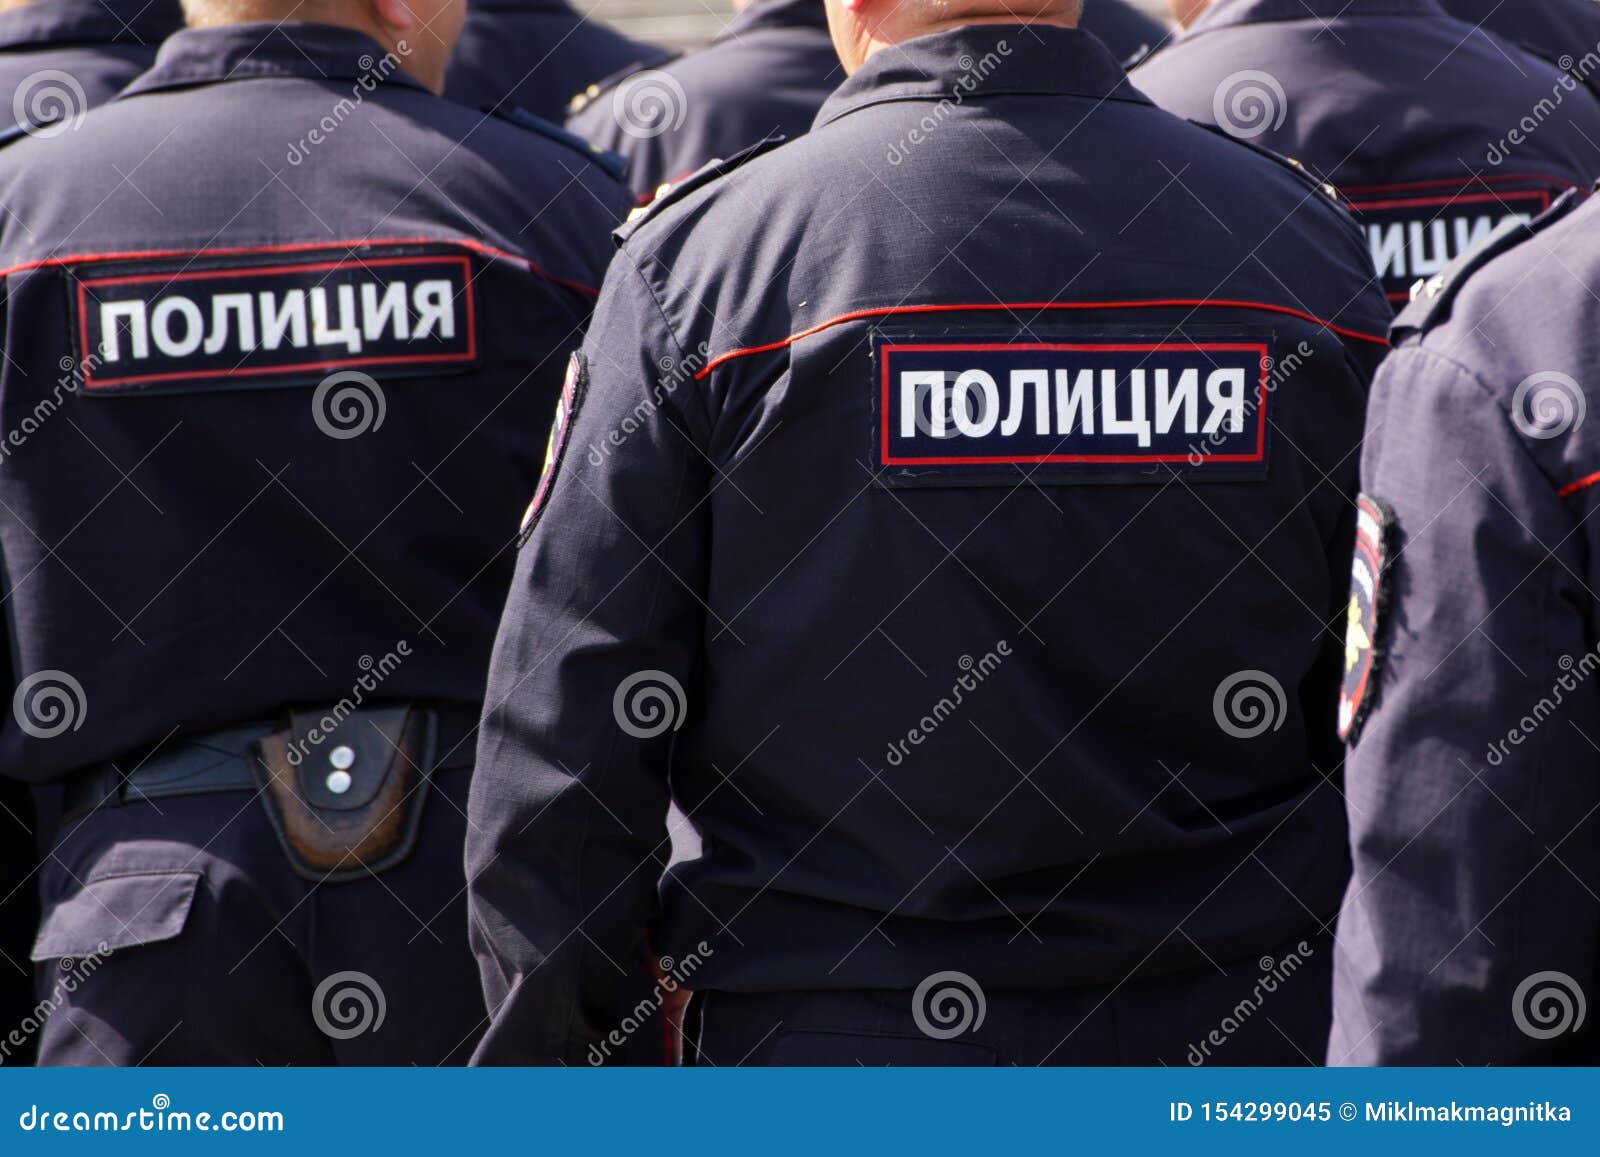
(681, 24)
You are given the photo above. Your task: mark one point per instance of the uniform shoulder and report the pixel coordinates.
(585, 101)
(1435, 302)
(610, 163)
(702, 182)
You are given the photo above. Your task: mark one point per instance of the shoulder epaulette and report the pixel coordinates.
(712, 170)
(616, 166)
(1299, 168)
(584, 99)
(1431, 298)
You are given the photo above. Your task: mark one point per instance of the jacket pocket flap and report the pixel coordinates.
(117, 912)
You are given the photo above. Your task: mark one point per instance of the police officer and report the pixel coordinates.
(301, 399)
(535, 54)
(1420, 120)
(1471, 932)
(1564, 31)
(949, 511)
(765, 75)
(59, 57)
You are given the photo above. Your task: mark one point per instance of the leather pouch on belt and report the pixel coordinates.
(347, 802)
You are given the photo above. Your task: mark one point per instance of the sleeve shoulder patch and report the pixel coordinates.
(613, 164)
(1300, 170)
(1431, 299)
(1366, 613)
(572, 391)
(707, 174)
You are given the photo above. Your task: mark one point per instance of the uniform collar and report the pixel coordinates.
(248, 51)
(763, 14)
(1227, 13)
(83, 22)
(1037, 59)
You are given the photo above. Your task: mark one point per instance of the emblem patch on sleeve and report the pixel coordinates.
(555, 448)
(206, 323)
(1415, 230)
(1364, 614)
(972, 410)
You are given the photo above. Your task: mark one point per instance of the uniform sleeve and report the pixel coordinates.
(1470, 933)
(592, 676)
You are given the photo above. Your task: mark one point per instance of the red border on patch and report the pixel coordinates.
(470, 354)
(1419, 200)
(1073, 459)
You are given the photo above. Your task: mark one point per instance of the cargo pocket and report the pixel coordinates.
(111, 913)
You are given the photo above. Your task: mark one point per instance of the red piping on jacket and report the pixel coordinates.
(1036, 306)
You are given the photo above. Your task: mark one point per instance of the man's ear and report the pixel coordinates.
(395, 14)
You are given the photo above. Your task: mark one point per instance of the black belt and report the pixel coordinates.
(222, 761)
